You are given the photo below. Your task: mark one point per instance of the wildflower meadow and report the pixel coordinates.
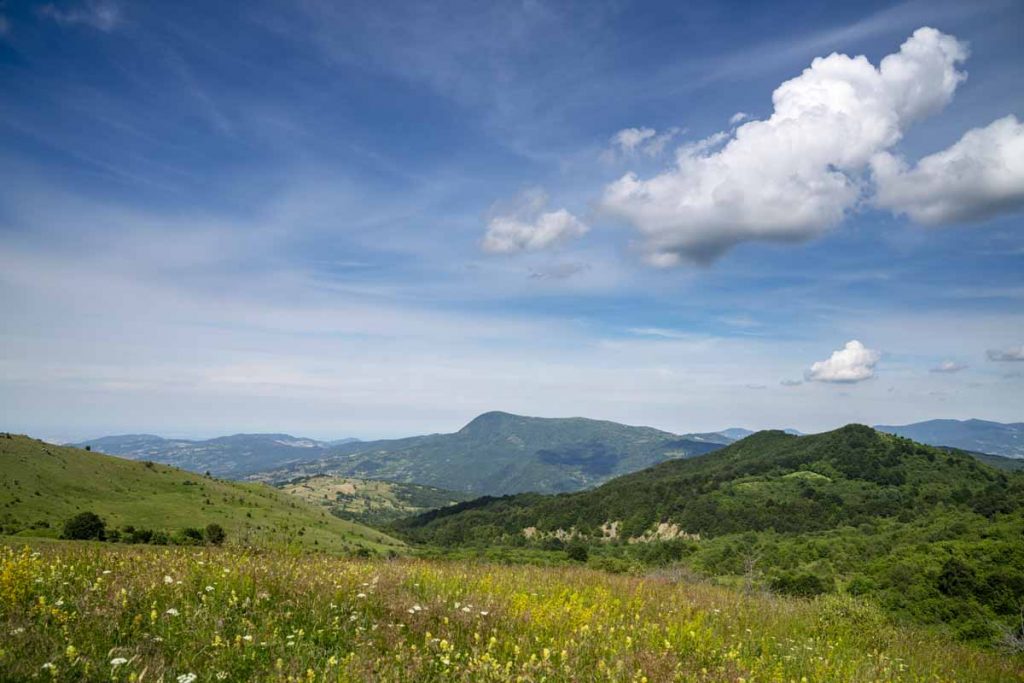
(89, 612)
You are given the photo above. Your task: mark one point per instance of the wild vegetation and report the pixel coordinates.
(42, 486)
(369, 501)
(95, 612)
(932, 535)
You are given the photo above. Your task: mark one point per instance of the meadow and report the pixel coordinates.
(99, 612)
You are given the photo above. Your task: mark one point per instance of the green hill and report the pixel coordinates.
(502, 453)
(370, 501)
(933, 534)
(42, 485)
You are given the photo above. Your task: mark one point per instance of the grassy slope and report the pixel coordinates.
(40, 482)
(369, 501)
(268, 616)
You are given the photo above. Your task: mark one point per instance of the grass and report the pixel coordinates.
(369, 501)
(42, 485)
(81, 612)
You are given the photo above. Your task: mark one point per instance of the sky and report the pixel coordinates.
(381, 219)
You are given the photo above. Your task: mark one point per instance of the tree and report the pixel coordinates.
(215, 534)
(84, 526)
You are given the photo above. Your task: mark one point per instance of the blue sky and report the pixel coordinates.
(343, 220)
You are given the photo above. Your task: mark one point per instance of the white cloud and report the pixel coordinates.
(738, 117)
(979, 176)
(1013, 353)
(5, 25)
(647, 141)
(852, 363)
(791, 382)
(628, 139)
(795, 175)
(99, 14)
(530, 228)
(949, 367)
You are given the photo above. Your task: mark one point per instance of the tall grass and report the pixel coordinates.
(74, 612)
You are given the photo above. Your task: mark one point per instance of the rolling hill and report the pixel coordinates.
(370, 501)
(933, 534)
(232, 457)
(42, 485)
(982, 436)
(499, 453)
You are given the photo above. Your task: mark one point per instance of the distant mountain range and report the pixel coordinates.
(232, 457)
(996, 438)
(500, 453)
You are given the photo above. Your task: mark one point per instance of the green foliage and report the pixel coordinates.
(85, 526)
(931, 535)
(215, 534)
(577, 552)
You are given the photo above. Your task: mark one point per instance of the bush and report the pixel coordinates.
(215, 534)
(188, 536)
(577, 552)
(801, 584)
(84, 526)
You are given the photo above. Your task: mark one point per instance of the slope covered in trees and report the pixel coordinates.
(933, 534)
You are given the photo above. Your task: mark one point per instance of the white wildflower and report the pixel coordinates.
(187, 678)
(118, 661)
(168, 579)
(209, 589)
(173, 612)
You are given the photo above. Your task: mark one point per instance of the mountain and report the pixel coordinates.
(499, 453)
(982, 436)
(232, 457)
(42, 485)
(933, 535)
(370, 501)
(770, 480)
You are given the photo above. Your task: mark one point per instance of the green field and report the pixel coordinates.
(101, 612)
(42, 485)
(369, 501)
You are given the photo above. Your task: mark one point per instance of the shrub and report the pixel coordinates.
(215, 534)
(84, 526)
(802, 584)
(577, 552)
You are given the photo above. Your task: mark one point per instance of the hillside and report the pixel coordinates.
(232, 457)
(852, 509)
(370, 501)
(501, 453)
(42, 485)
(971, 435)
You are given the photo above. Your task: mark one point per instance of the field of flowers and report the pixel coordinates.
(76, 612)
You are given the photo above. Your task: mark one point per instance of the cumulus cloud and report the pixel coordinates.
(978, 177)
(101, 15)
(852, 363)
(795, 175)
(628, 139)
(949, 367)
(738, 117)
(528, 227)
(1013, 353)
